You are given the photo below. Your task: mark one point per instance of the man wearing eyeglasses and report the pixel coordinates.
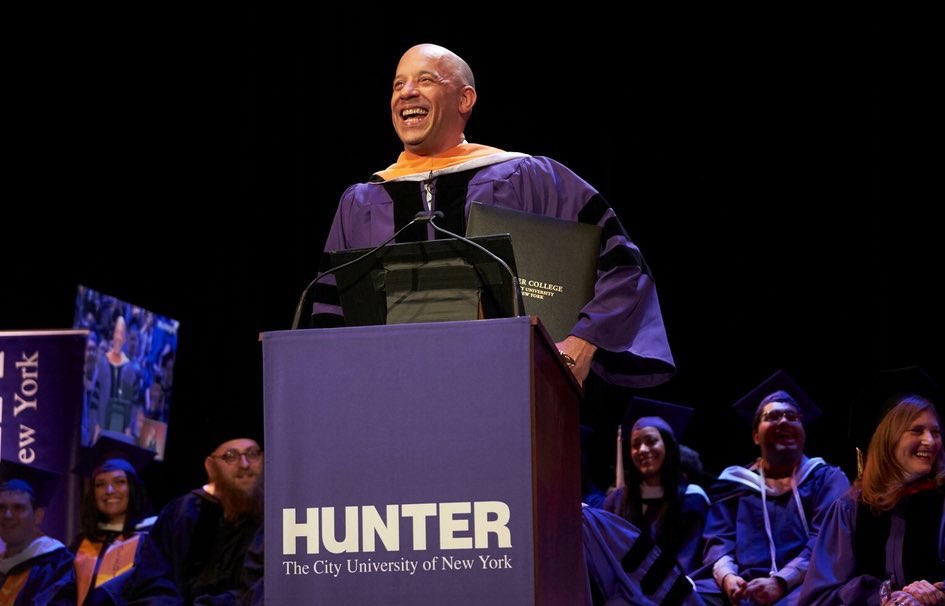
(196, 549)
(765, 516)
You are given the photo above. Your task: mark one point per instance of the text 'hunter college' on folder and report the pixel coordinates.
(556, 261)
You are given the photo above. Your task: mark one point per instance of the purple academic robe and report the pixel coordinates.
(850, 561)
(622, 319)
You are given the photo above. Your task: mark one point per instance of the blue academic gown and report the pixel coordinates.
(687, 528)
(735, 526)
(191, 554)
(626, 568)
(51, 580)
(251, 591)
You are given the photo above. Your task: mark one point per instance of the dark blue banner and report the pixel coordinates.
(40, 405)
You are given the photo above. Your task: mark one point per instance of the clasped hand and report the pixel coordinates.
(919, 593)
(763, 590)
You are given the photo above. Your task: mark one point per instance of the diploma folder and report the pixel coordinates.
(556, 261)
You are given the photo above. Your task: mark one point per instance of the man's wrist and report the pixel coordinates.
(567, 359)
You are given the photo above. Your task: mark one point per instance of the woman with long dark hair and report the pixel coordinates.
(657, 498)
(113, 515)
(884, 541)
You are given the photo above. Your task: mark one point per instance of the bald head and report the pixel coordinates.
(433, 96)
(450, 60)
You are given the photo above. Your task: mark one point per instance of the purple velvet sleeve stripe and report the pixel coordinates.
(613, 236)
(621, 256)
(327, 320)
(595, 211)
(326, 294)
(613, 228)
(650, 371)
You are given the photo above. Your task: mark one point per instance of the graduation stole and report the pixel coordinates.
(97, 562)
(12, 585)
(411, 164)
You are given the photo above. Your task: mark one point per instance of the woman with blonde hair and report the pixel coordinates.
(884, 541)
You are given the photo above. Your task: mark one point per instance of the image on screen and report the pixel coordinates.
(129, 369)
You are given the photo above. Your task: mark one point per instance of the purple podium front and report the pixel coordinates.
(422, 464)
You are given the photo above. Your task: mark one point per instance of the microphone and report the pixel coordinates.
(517, 303)
(420, 217)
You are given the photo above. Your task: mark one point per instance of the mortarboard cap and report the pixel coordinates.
(653, 413)
(883, 391)
(779, 387)
(113, 451)
(224, 425)
(39, 483)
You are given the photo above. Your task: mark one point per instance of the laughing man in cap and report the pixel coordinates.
(34, 568)
(195, 551)
(764, 517)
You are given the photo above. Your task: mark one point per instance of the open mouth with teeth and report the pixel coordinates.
(925, 455)
(413, 115)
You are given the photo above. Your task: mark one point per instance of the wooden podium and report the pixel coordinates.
(422, 464)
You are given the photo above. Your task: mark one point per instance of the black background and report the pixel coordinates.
(770, 166)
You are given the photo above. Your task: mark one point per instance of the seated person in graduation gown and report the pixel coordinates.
(889, 527)
(764, 517)
(620, 330)
(655, 498)
(35, 569)
(112, 516)
(196, 549)
(625, 568)
(251, 590)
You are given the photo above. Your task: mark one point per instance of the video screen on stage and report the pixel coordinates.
(129, 369)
